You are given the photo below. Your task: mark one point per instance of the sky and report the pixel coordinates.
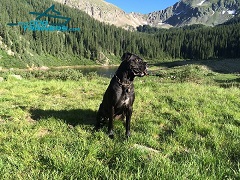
(142, 6)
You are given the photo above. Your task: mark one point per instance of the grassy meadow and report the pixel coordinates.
(185, 125)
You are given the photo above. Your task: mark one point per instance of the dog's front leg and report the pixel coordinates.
(128, 121)
(110, 124)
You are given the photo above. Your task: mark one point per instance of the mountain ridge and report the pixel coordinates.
(184, 12)
(188, 12)
(107, 12)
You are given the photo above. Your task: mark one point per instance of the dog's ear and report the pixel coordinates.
(126, 56)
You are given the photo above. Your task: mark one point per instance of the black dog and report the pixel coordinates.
(119, 96)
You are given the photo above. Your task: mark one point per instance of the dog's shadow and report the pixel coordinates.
(71, 117)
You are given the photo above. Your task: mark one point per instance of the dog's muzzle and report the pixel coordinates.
(145, 72)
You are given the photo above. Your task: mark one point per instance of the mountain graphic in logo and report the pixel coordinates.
(58, 16)
(44, 25)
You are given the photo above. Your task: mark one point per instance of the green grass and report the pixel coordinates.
(46, 129)
(7, 61)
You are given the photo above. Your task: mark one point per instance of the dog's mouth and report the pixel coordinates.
(145, 72)
(142, 73)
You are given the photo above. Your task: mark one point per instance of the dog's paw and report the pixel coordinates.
(96, 128)
(128, 134)
(111, 135)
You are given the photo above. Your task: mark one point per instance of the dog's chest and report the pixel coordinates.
(126, 101)
(125, 98)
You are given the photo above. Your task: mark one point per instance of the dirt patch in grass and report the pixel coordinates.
(43, 132)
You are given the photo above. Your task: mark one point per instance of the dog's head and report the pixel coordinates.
(134, 64)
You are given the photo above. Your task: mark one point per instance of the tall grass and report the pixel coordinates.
(181, 129)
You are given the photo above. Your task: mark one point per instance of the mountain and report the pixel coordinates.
(184, 12)
(97, 42)
(107, 12)
(188, 12)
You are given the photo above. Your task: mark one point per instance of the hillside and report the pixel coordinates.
(107, 13)
(98, 43)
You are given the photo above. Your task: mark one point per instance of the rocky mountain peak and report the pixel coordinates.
(187, 12)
